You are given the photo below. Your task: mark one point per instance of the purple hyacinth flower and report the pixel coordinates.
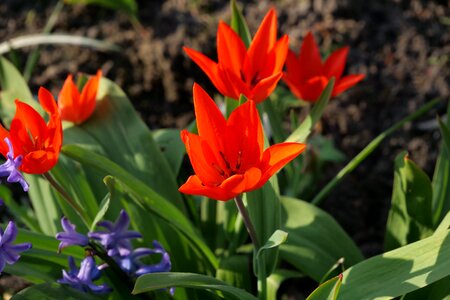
(10, 168)
(82, 279)
(116, 239)
(10, 253)
(70, 237)
(163, 266)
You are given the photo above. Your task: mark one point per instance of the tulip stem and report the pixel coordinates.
(67, 197)
(247, 221)
(259, 262)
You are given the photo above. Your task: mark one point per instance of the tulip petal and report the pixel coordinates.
(263, 41)
(277, 156)
(31, 123)
(279, 54)
(194, 186)
(231, 50)
(47, 101)
(241, 183)
(208, 168)
(309, 59)
(294, 87)
(244, 137)
(347, 82)
(293, 69)
(211, 69)
(210, 121)
(88, 98)
(313, 88)
(265, 87)
(335, 63)
(69, 100)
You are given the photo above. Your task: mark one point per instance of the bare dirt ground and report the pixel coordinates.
(402, 46)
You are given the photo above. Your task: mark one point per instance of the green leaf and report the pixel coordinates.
(52, 291)
(399, 271)
(156, 281)
(239, 24)
(444, 225)
(328, 290)
(263, 206)
(143, 195)
(125, 139)
(304, 130)
(234, 270)
(275, 280)
(104, 205)
(441, 176)
(22, 212)
(171, 146)
(127, 6)
(316, 241)
(13, 86)
(275, 240)
(410, 218)
(368, 150)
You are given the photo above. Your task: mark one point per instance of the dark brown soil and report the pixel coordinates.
(402, 46)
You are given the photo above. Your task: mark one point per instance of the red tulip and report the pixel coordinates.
(38, 142)
(76, 107)
(307, 77)
(253, 72)
(228, 156)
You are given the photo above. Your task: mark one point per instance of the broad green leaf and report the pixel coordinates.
(104, 205)
(329, 290)
(445, 224)
(125, 139)
(156, 281)
(275, 121)
(399, 271)
(44, 203)
(13, 86)
(275, 280)
(143, 195)
(275, 240)
(351, 165)
(22, 212)
(410, 218)
(234, 270)
(304, 130)
(441, 177)
(52, 291)
(316, 241)
(127, 6)
(437, 290)
(239, 24)
(263, 206)
(171, 146)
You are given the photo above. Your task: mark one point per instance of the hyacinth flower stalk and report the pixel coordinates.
(114, 247)
(77, 107)
(253, 72)
(307, 77)
(9, 253)
(82, 278)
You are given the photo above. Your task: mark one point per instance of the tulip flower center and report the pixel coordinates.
(254, 79)
(230, 170)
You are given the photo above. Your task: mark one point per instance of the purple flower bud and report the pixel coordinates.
(70, 237)
(116, 239)
(82, 279)
(10, 168)
(10, 253)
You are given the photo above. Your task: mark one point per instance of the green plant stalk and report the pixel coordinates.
(260, 263)
(34, 55)
(78, 209)
(368, 150)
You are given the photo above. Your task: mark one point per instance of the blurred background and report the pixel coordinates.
(401, 46)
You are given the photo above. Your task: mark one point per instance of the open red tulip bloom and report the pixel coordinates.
(76, 107)
(307, 77)
(254, 72)
(37, 141)
(228, 156)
